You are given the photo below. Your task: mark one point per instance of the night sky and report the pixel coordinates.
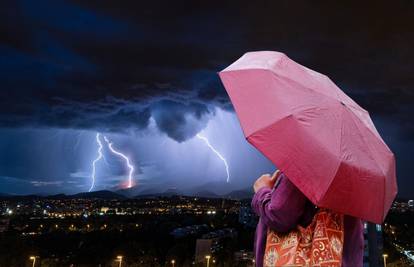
(145, 77)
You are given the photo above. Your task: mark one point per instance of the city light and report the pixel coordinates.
(385, 259)
(33, 258)
(208, 260)
(409, 254)
(119, 259)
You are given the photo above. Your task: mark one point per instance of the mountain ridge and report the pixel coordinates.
(215, 189)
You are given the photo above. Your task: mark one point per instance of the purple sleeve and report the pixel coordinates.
(281, 208)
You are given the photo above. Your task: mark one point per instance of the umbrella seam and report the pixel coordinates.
(373, 154)
(340, 161)
(352, 110)
(370, 150)
(268, 125)
(302, 85)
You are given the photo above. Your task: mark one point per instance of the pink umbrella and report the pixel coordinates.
(319, 137)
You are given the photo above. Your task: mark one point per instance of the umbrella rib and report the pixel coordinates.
(375, 161)
(313, 90)
(375, 133)
(282, 118)
(366, 143)
(340, 161)
(302, 85)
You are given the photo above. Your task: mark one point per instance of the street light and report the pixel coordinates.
(208, 260)
(173, 263)
(33, 258)
(385, 256)
(119, 259)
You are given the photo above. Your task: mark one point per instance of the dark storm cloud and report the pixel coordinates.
(179, 121)
(119, 66)
(94, 64)
(67, 65)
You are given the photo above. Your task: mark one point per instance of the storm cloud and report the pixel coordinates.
(87, 64)
(118, 67)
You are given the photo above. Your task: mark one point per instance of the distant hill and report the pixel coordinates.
(240, 194)
(58, 196)
(129, 192)
(206, 194)
(168, 193)
(144, 189)
(103, 194)
(217, 187)
(172, 192)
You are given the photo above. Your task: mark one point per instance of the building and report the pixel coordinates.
(376, 239)
(244, 258)
(211, 243)
(203, 249)
(189, 230)
(4, 225)
(247, 217)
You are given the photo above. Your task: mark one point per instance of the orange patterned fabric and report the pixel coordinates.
(319, 244)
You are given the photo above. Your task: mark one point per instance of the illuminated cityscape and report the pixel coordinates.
(153, 231)
(62, 230)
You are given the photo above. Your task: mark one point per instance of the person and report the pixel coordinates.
(281, 206)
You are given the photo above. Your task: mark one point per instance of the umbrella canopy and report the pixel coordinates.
(310, 129)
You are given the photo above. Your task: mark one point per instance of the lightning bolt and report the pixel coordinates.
(100, 155)
(128, 163)
(199, 136)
